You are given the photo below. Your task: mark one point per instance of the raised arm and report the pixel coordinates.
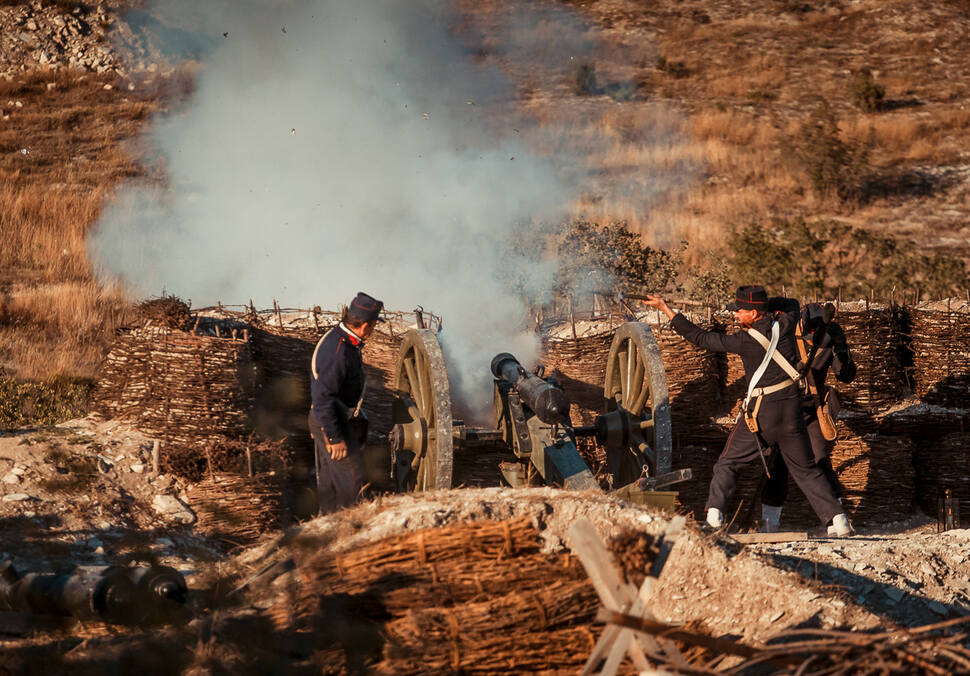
(706, 340)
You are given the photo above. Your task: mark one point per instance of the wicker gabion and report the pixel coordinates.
(940, 343)
(177, 385)
(876, 473)
(234, 508)
(875, 339)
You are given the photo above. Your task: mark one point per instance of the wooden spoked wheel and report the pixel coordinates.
(421, 439)
(637, 404)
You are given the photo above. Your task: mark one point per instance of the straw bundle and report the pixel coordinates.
(560, 651)
(940, 341)
(235, 508)
(558, 603)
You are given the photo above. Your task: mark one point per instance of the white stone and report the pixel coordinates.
(172, 508)
(16, 497)
(137, 468)
(10, 478)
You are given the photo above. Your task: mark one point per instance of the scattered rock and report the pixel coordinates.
(938, 608)
(94, 543)
(174, 509)
(16, 497)
(10, 478)
(895, 595)
(137, 468)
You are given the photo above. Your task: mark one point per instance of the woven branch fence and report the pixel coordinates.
(940, 341)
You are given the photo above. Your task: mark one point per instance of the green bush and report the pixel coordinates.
(25, 404)
(867, 94)
(834, 167)
(610, 258)
(826, 256)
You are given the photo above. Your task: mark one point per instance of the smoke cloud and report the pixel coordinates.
(332, 147)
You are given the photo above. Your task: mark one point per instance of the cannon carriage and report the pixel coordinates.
(531, 420)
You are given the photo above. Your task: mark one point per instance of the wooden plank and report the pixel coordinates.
(640, 607)
(613, 591)
(766, 538)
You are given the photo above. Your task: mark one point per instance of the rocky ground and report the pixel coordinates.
(84, 493)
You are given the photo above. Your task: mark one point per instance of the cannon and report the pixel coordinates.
(531, 417)
(112, 594)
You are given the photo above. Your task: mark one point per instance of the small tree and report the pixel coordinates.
(584, 79)
(835, 167)
(867, 94)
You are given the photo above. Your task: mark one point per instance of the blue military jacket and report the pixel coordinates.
(337, 380)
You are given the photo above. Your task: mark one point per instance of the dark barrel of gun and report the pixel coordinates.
(546, 400)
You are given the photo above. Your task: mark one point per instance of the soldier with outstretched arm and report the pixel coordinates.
(772, 412)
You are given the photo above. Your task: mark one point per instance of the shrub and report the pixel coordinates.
(609, 258)
(584, 80)
(825, 256)
(834, 167)
(676, 69)
(43, 403)
(867, 94)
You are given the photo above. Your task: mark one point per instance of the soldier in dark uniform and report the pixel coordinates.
(833, 352)
(336, 391)
(774, 403)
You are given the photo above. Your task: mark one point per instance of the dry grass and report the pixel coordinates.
(61, 328)
(62, 150)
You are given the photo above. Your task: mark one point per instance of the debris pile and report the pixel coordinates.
(940, 341)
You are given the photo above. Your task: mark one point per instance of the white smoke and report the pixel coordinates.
(335, 146)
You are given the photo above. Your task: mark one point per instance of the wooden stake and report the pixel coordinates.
(249, 460)
(156, 456)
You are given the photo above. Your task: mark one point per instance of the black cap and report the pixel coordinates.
(749, 298)
(366, 308)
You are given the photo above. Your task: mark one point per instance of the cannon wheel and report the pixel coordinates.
(423, 395)
(636, 385)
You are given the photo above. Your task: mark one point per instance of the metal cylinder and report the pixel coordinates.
(547, 401)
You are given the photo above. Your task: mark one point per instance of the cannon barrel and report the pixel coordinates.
(547, 401)
(114, 594)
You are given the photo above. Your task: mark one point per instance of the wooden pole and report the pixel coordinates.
(156, 456)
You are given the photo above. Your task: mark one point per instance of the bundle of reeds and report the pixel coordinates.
(940, 342)
(442, 594)
(234, 508)
(165, 312)
(555, 651)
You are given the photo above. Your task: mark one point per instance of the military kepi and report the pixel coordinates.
(749, 298)
(366, 308)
